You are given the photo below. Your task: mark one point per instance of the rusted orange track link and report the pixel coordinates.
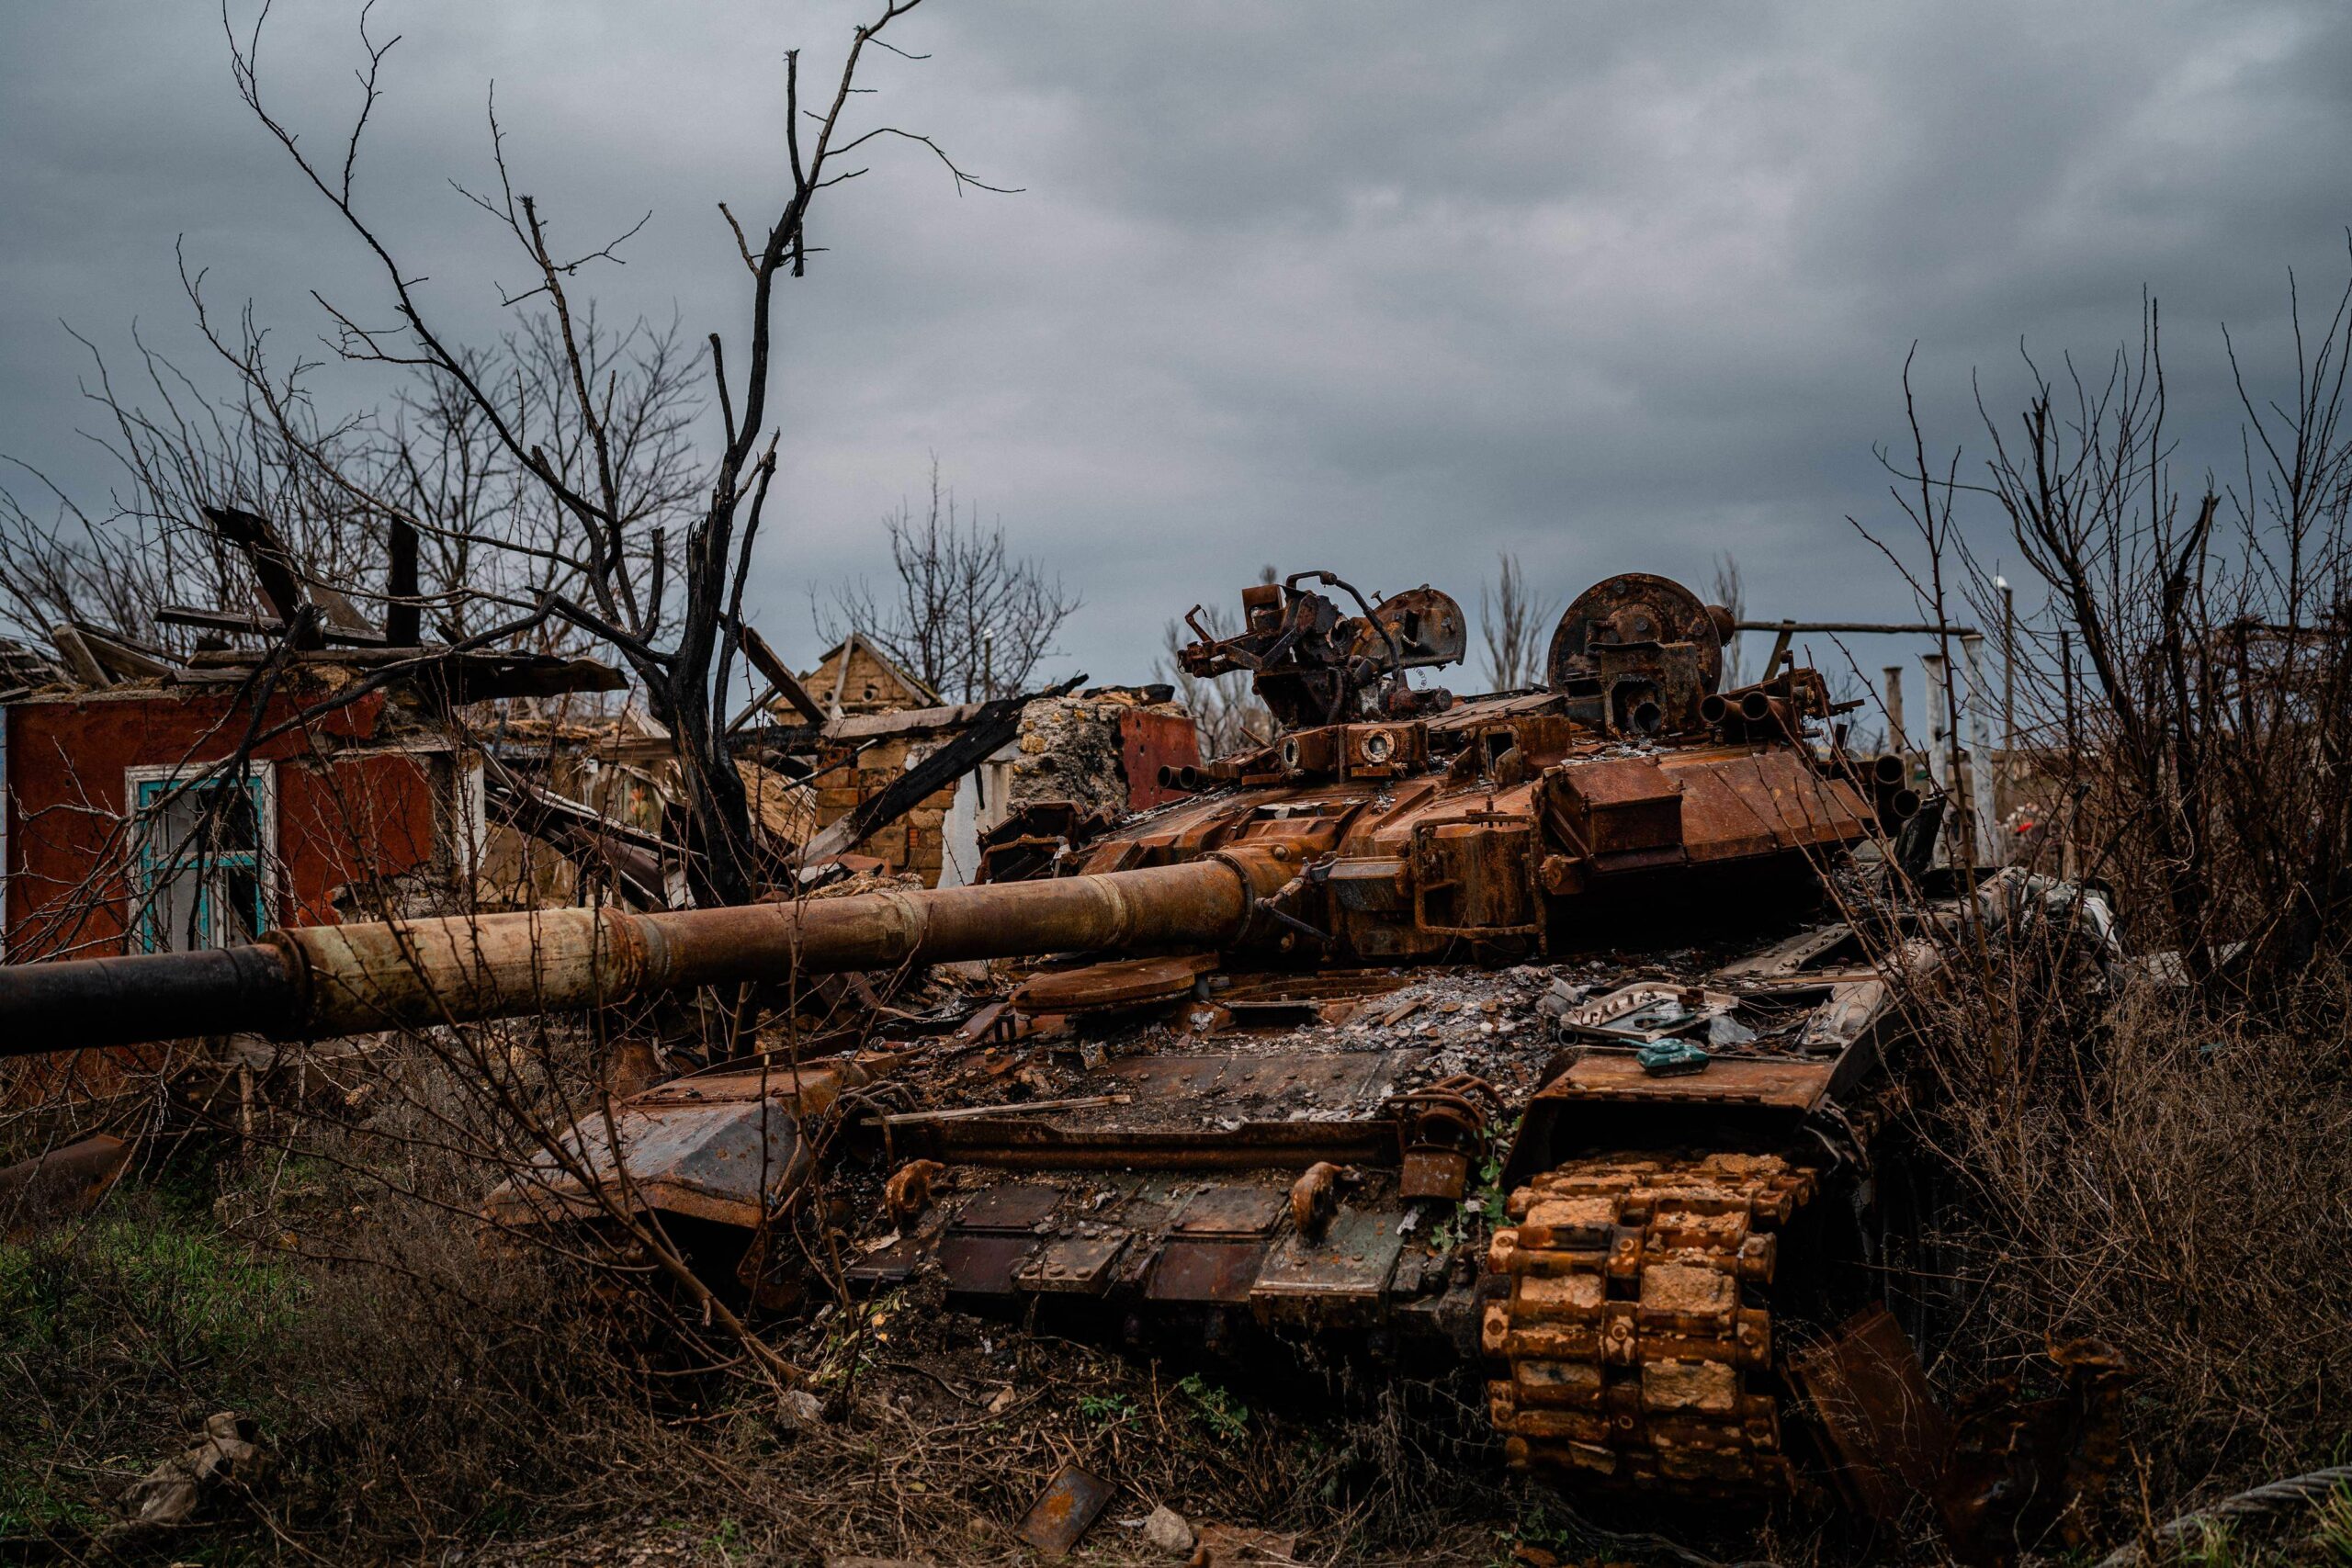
(1625, 1347)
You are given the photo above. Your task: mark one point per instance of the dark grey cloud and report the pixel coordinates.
(1385, 288)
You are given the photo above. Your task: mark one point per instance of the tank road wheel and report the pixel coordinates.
(1626, 1325)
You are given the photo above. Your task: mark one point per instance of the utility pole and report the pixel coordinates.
(1892, 698)
(2009, 668)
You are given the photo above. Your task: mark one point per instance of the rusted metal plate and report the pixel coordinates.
(1077, 1265)
(1126, 982)
(1867, 1388)
(1166, 1078)
(1071, 1502)
(1191, 1271)
(64, 1183)
(1148, 742)
(1340, 1276)
(1031, 1144)
(723, 1147)
(1619, 806)
(812, 1086)
(1777, 1085)
(983, 1265)
(1433, 1173)
(1310, 988)
(1303, 998)
(1328, 1081)
(1758, 804)
(1009, 1207)
(1232, 1211)
(887, 1266)
(1148, 1202)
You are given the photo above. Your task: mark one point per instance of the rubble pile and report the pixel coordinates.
(1071, 747)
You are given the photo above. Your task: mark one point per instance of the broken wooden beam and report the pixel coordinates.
(996, 722)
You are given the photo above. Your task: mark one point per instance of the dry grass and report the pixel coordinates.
(2170, 1177)
(412, 1388)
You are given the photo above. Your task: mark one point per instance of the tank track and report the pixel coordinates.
(1627, 1346)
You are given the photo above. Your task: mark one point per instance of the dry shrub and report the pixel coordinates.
(2158, 1152)
(411, 1386)
(916, 1466)
(2176, 1186)
(436, 1391)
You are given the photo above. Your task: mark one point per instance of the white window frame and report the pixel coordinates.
(268, 866)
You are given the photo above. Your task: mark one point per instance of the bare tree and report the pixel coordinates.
(584, 487)
(176, 450)
(964, 614)
(681, 650)
(2217, 635)
(501, 531)
(1732, 594)
(2188, 687)
(1512, 618)
(494, 532)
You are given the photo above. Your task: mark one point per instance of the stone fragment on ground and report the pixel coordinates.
(1166, 1530)
(174, 1492)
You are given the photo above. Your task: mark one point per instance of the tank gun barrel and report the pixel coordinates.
(323, 981)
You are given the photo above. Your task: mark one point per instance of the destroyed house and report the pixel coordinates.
(155, 802)
(1099, 751)
(853, 676)
(202, 805)
(177, 810)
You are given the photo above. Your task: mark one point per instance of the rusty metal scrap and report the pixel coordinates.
(723, 1145)
(1118, 983)
(61, 1183)
(1071, 1501)
(2020, 1467)
(1870, 1396)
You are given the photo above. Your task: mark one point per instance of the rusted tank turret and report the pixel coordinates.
(1511, 1029)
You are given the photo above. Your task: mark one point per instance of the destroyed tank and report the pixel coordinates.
(1512, 1032)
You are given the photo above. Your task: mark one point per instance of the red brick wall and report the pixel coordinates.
(340, 818)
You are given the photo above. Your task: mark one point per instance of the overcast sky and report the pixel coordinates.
(1381, 289)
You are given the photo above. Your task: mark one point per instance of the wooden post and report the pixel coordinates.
(404, 617)
(1892, 698)
(2067, 866)
(1985, 818)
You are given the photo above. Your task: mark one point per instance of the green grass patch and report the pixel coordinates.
(115, 1336)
